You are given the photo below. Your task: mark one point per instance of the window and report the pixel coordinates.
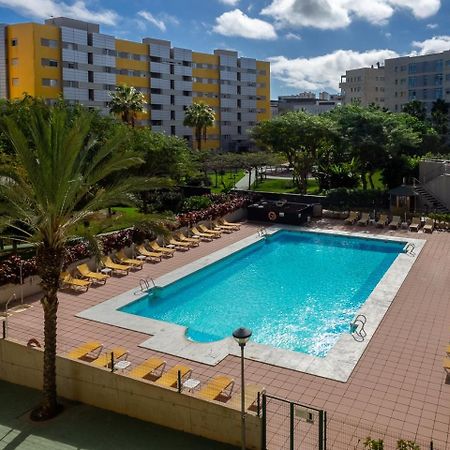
(49, 82)
(49, 62)
(49, 43)
(14, 42)
(15, 82)
(72, 84)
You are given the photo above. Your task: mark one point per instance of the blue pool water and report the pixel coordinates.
(295, 290)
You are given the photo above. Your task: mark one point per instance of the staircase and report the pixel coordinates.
(434, 203)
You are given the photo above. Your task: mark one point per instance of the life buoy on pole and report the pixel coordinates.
(33, 343)
(272, 216)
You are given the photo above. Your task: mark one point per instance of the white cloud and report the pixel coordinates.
(236, 23)
(160, 21)
(323, 72)
(293, 37)
(432, 26)
(229, 2)
(434, 45)
(43, 9)
(334, 14)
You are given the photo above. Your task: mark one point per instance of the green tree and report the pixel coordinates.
(416, 109)
(127, 102)
(200, 117)
(439, 117)
(54, 187)
(298, 136)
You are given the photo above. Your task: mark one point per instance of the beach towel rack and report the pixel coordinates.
(357, 328)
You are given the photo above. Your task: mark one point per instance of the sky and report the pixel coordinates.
(310, 43)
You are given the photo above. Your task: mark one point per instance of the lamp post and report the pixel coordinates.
(242, 336)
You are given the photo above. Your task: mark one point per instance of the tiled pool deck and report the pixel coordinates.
(398, 384)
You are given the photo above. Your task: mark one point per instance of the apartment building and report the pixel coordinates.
(308, 102)
(425, 78)
(364, 86)
(73, 59)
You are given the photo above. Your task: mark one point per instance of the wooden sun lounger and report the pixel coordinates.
(223, 228)
(429, 226)
(352, 218)
(364, 220)
(251, 396)
(167, 252)
(110, 264)
(204, 236)
(170, 378)
(136, 263)
(105, 359)
(149, 367)
(84, 350)
(85, 272)
(193, 242)
(415, 224)
(395, 222)
(219, 386)
(151, 256)
(179, 245)
(68, 280)
(382, 221)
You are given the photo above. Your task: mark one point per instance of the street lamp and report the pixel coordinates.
(242, 336)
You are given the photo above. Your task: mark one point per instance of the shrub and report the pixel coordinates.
(196, 202)
(343, 198)
(373, 444)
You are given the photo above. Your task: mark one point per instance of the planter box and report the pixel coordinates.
(30, 287)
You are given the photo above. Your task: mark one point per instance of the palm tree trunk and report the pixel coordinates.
(49, 262)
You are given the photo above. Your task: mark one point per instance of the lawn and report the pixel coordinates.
(285, 186)
(229, 179)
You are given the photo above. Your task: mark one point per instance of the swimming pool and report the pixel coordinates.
(295, 290)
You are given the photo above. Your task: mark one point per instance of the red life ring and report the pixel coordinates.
(33, 343)
(272, 215)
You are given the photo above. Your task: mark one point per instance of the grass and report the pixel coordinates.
(285, 186)
(227, 180)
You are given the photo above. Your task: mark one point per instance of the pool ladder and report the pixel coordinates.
(409, 249)
(262, 232)
(144, 284)
(357, 328)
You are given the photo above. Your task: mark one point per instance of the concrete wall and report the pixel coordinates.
(82, 382)
(440, 187)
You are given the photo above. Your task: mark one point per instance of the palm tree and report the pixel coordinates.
(126, 102)
(54, 186)
(199, 116)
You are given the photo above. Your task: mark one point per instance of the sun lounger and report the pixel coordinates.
(193, 242)
(105, 359)
(352, 218)
(219, 386)
(182, 246)
(68, 280)
(203, 235)
(167, 252)
(382, 221)
(205, 229)
(136, 263)
(170, 378)
(85, 272)
(223, 228)
(230, 224)
(429, 225)
(84, 350)
(150, 256)
(446, 364)
(364, 220)
(150, 367)
(108, 263)
(395, 222)
(251, 396)
(448, 350)
(415, 224)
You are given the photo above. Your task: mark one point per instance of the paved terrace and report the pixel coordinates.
(398, 386)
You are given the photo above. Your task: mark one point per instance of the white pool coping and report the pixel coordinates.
(337, 365)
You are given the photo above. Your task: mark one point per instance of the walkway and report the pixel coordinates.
(83, 427)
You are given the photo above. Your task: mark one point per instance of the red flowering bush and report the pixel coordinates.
(223, 204)
(116, 241)
(10, 269)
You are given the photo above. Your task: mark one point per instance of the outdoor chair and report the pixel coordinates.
(446, 364)
(116, 268)
(382, 221)
(68, 280)
(223, 228)
(135, 263)
(150, 367)
(429, 225)
(219, 386)
(204, 236)
(251, 396)
(193, 242)
(167, 252)
(395, 222)
(230, 224)
(352, 218)
(205, 229)
(105, 359)
(364, 220)
(415, 224)
(150, 256)
(170, 378)
(179, 245)
(94, 348)
(85, 272)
